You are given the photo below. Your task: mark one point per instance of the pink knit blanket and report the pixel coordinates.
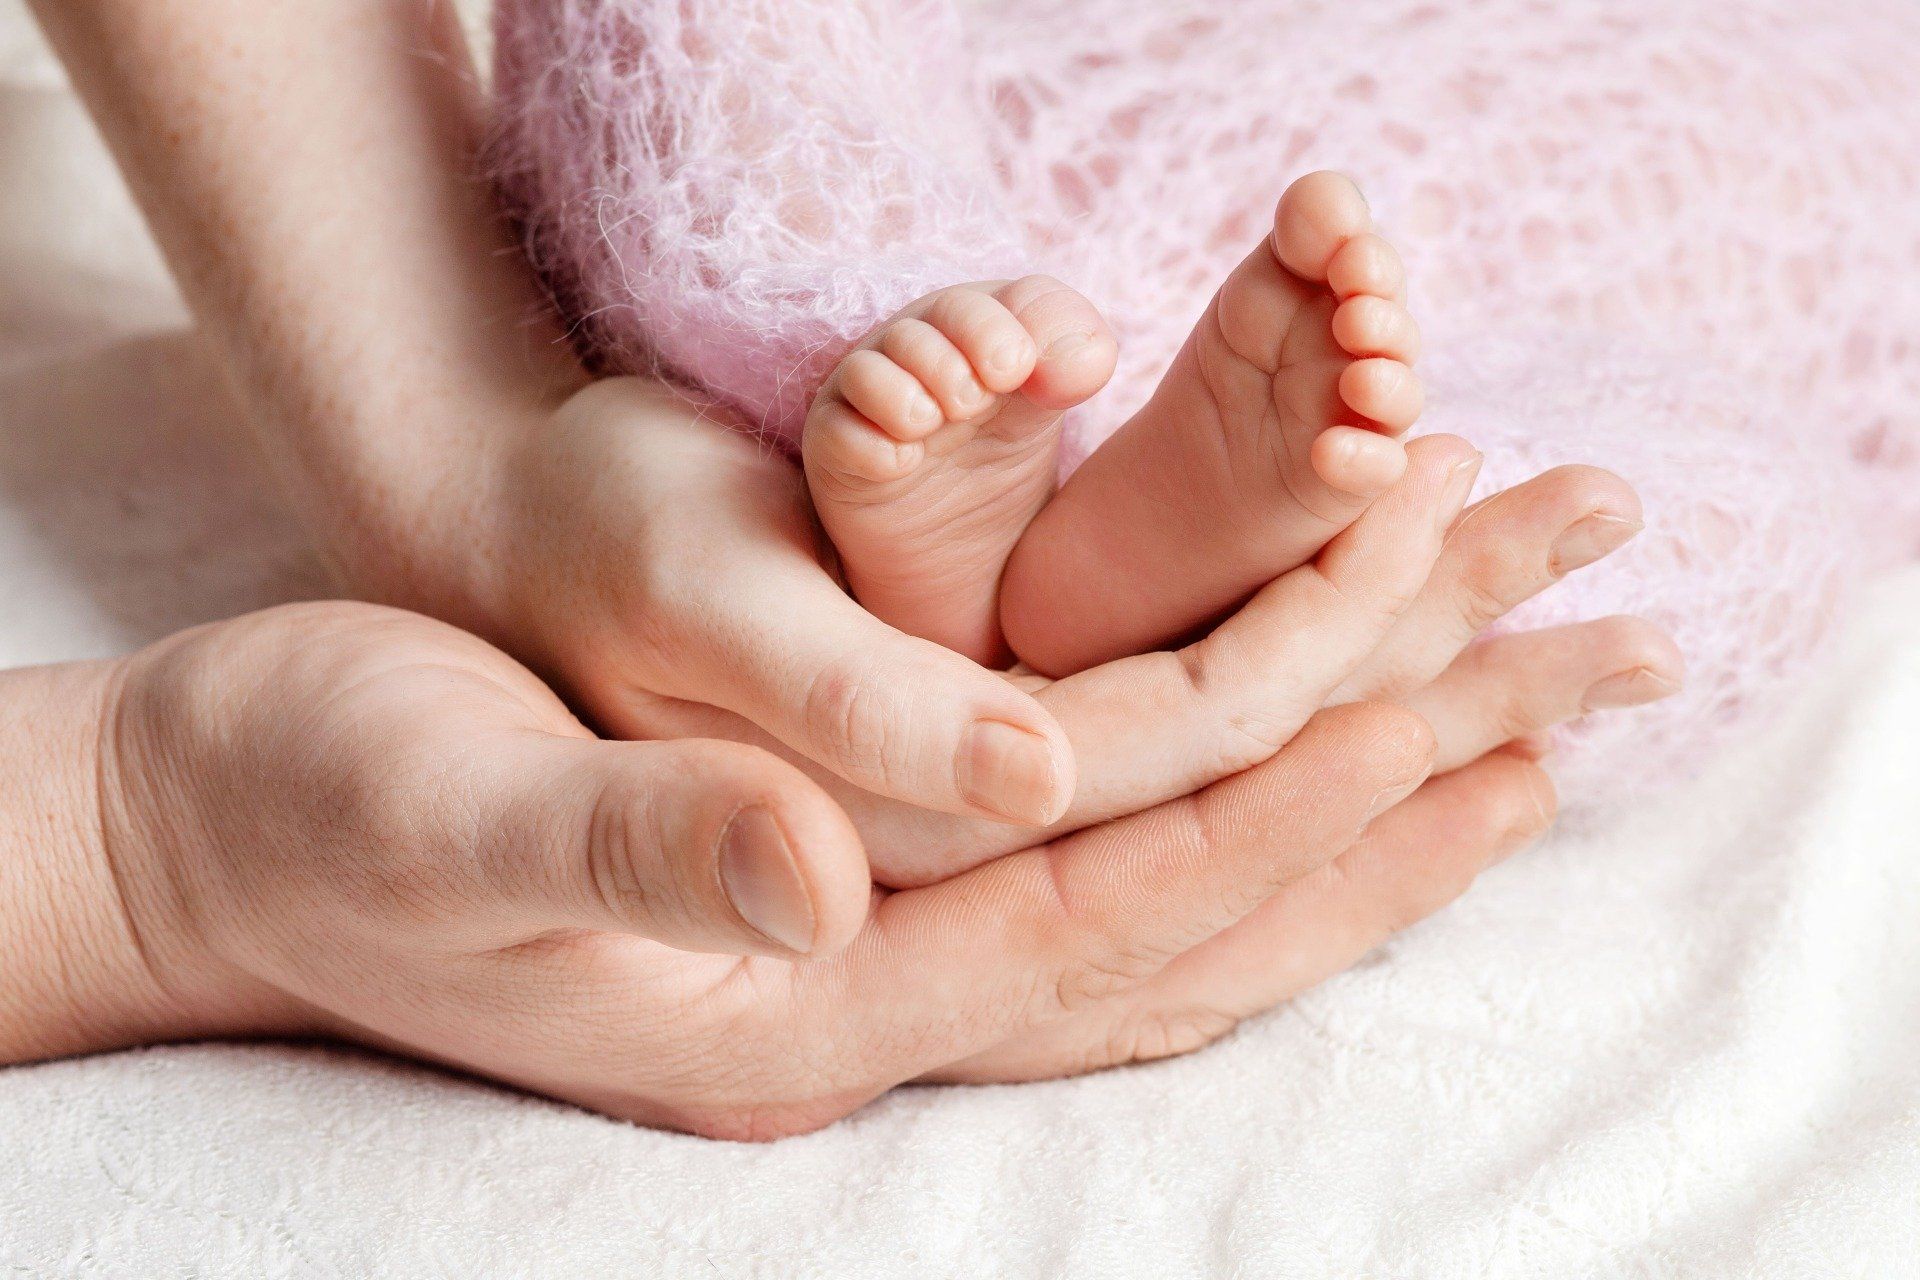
(1680, 241)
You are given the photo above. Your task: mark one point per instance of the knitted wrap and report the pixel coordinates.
(1678, 241)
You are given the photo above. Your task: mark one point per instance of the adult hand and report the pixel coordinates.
(493, 883)
(343, 820)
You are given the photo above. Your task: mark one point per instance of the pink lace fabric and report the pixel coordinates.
(1679, 241)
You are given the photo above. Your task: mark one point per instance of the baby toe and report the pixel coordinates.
(1383, 391)
(887, 395)
(846, 450)
(1318, 214)
(987, 333)
(1367, 264)
(1077, 349)
(1364, 325)
(946, 373)
(1356, 461)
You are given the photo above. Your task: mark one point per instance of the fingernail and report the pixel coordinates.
(1587, 540)
(1526, 835)
(1629, 689)
(763, 883)
(1010, 772)
(1453, 499)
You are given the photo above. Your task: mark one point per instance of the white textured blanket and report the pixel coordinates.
(1684, 1041)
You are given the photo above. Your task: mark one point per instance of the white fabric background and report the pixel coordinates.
(1683, 1041)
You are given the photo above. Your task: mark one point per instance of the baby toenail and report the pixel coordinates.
(924, 409)
(1067, 345)
(1587, 540)
(1006, 357)
(1628, 689)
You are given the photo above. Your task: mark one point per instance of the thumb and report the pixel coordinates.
(890, 713)
(701, 845)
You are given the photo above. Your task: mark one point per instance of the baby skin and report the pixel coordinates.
(930, 450)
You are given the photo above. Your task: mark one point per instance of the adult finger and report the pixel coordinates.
(705, 846)
(1514, 686)
(1416, 858)
(1503, 551)
(1159, 726)
(890, 713)
(944, 971)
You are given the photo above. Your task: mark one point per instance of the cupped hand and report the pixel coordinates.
(350, 821)
(649, 558)
(357, 822)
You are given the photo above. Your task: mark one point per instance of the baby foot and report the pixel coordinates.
(1272, 431)
(931, 446)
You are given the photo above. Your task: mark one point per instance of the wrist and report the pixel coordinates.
(97, 945)
(169, 848)
(430, 523)
(76, 967)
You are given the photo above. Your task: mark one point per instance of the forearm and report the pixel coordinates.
(313, 180)
(72, 974)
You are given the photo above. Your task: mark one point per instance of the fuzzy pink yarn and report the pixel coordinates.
(1677, 241)
(710, 201)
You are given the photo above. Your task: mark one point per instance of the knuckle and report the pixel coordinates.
(1491, 572)
(1100, 973)
(1165, 1033)
(1480, 595)
(1544, 797)
(1519, 712)
(1197, 828)
(846, 709)
(1508, 805)
(1252, 738)
(618, 830)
